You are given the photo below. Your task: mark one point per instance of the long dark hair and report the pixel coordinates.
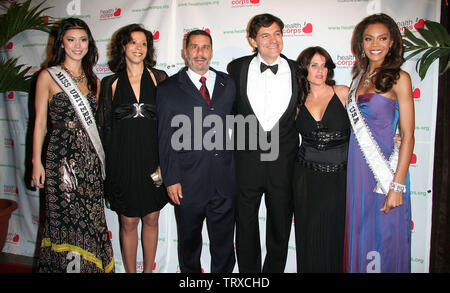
(89, 60)
(117, 60)
(390, 69)
(303, 60)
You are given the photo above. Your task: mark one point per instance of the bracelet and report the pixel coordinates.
(156, 179)
(397, 187)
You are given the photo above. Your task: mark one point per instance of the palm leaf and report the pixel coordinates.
(19, 17)
(434, 46)
(13, 77)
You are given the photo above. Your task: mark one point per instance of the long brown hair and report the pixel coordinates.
(390, 69)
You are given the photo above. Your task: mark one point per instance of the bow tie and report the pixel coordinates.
(264, 66)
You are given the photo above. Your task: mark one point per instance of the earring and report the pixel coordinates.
(363, 55)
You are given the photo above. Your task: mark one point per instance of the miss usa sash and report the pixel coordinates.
(382, 169)
(82, 109)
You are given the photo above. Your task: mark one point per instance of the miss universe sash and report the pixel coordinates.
(82, 109)
(382, 169)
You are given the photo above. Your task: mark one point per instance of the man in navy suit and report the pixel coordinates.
(197, 169)
(266, 88)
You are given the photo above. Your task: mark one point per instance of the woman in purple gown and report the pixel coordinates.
(378, 210)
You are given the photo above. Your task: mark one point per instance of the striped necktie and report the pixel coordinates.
(204, 90)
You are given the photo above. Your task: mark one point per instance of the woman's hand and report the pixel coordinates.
(38, 175)
(393, 200)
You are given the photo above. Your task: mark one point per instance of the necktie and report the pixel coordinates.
(204, 90)
(264, 66)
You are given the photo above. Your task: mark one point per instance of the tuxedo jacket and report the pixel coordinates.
(201, 172)
(288, 136)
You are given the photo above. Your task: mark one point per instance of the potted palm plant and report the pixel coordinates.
(19, 17)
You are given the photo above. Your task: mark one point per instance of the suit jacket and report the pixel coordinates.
(200, 171)
(288, 136)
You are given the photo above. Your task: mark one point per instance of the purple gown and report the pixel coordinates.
(374, 241)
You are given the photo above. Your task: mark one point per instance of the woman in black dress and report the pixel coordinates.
(320, 171)
(128, 126)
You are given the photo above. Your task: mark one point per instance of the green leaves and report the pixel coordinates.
(19, 17)
(13, 77)
(436, 45)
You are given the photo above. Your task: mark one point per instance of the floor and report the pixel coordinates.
(8, 262)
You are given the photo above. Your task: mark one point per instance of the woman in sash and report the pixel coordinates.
(320, 171)
(75, 236)
(129, 133)
(378, 210)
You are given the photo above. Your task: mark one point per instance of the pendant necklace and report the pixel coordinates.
(75, 79)
(367, 80)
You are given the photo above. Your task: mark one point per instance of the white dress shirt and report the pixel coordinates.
(269, 94)
(210, 80)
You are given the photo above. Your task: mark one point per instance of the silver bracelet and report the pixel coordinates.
(397, 187)
(156, 179)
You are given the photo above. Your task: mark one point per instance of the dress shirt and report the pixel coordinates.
(269, 94)
(210, 80)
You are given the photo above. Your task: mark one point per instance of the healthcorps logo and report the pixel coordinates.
(7, 47)
(297, 29)
(245, 3)
(9, 142)
(416, 94)
(413, 160)
(110, 13)
(411, 24)
(346, 61)
(102, 69)
(10, 190)
(155, 34)
(13, 238)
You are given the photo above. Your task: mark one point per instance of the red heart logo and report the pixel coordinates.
(45, 19)
(207, 30)
(154, 266)
(9, 46)
(308, 28)
(110, 234)
(412, 225)
(254, 1)
(413, 159)
(416, 93)
(156, 36)
(117, 12)
(11, 95)
(16, 238)
(420, 24)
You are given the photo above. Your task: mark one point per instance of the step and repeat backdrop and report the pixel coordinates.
(327, 23)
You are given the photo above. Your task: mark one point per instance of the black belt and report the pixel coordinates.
(327, 168)
(66, 125)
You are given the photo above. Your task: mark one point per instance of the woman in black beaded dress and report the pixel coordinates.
(128, 126)
(320, 170)
(75, 236)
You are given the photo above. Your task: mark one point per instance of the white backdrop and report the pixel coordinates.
(328, 23)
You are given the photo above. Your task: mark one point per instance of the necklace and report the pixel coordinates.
(75, 79)
(367, 80)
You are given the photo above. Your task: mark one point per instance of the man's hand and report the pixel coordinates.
(174, 192)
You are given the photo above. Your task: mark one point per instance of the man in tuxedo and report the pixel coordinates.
(198, 174)
(266, 87)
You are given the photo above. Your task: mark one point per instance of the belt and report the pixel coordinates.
(327, 168)
(67, 125)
